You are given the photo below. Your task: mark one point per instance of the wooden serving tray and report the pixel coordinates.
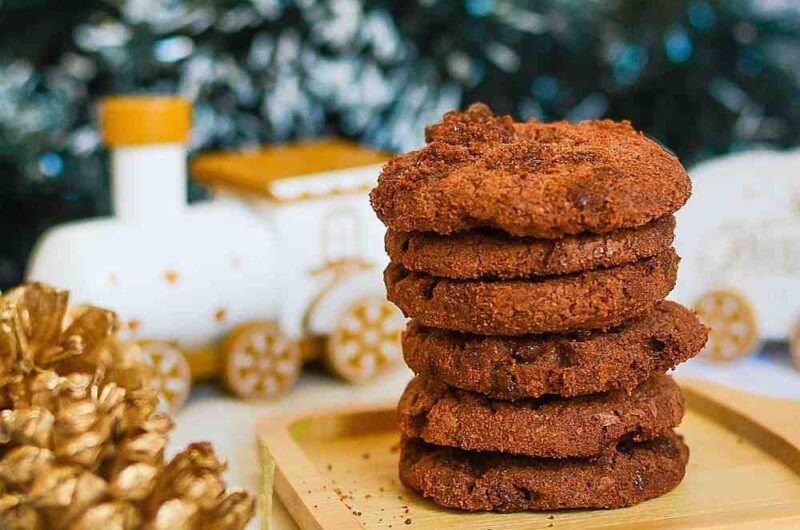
(337, 469)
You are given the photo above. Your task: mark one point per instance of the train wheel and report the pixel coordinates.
(172, 377)
(260, 362)
(366, 339)
(733, 332)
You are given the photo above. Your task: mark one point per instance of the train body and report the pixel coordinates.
(282, 266)
(739, 239)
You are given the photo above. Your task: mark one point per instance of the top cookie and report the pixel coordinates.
(535, 179)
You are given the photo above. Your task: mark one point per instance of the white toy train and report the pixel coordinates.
(739, 239)
(281, 267)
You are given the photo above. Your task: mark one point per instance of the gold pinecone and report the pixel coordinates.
(81, 442)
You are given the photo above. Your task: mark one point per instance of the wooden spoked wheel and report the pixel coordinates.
(260, 362)
(733, 332)
(172, 378)
(366, 339)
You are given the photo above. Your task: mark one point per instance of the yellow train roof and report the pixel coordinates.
(292, 171)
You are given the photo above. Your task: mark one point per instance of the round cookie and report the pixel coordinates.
(506, 483)
(490, 253)
(529, 179)
(589, 300)
(567, 365)
(550, 426)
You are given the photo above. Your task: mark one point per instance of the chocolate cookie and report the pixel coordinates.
(548, 426)
(589, 300)
(566, 365)
(494, 254)
(529, 179)
(505, 483)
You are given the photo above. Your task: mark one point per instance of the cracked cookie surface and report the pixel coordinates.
(567, 365)
(466, 480)
(486, 253)
(529, 179)
(550, 426)
(597, 299)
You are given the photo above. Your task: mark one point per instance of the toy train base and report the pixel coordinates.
(256, 360)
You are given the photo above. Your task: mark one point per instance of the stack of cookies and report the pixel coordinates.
(534, 259)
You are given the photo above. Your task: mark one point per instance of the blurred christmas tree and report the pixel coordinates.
(704, 77)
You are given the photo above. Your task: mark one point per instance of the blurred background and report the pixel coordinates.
(704, 77)
(715, 81)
